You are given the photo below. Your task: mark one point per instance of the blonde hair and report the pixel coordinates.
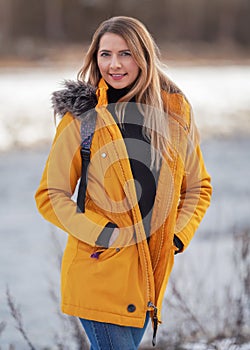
(147, 88)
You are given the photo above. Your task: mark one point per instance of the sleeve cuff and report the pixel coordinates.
(104, 237)
(178, 243)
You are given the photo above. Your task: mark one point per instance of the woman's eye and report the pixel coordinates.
(104, 54)
(126, 53)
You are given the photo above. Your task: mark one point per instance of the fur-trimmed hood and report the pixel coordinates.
(77, 98)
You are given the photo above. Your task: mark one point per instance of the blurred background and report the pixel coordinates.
(34, 29)
(206, 48)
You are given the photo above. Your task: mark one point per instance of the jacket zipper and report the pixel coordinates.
(150, 304)
(155, 321)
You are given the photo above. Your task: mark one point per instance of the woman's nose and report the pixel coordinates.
(115, 62)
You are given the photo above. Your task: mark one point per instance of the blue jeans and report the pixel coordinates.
(107, 336)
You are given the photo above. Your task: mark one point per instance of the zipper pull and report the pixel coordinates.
(155, 321)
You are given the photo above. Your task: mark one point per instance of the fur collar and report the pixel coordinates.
(77, 98)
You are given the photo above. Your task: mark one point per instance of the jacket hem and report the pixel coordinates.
(104, 316)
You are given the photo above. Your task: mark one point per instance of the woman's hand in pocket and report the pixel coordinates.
(114, 236)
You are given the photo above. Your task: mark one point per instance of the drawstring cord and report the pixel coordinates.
(155, 321)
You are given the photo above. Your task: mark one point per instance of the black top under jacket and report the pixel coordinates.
(139, 153)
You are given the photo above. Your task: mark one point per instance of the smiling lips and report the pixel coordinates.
(118, 76)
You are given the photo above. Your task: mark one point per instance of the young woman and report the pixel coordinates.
(147, 186)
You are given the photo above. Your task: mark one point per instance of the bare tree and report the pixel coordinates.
(16, 314)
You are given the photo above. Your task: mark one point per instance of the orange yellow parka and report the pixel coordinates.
(130, 277)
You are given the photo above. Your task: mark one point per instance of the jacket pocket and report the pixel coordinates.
(96, 253)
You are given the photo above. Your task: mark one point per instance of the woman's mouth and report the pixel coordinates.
(118, 76)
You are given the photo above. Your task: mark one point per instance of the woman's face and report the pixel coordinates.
(115, 61)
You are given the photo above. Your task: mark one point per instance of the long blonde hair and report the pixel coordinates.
(147, 88)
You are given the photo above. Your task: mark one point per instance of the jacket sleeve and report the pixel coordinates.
(196, 189)
(58, 183)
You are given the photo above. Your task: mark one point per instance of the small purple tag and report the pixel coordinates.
(95, 255)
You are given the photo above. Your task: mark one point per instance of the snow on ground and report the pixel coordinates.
(226, 344)
(219, 96)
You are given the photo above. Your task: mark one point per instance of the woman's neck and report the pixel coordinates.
(115, 94)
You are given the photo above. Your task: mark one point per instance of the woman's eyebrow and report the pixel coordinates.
(105, 50)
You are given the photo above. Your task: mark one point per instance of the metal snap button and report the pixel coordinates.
(131, 308)
(104, 155)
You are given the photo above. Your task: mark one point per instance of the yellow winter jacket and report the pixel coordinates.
(119, 285)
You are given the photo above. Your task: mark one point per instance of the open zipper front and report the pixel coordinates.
(142, 244)
(130, 192)
(169, 199)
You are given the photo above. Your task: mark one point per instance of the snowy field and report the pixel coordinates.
(219, 96)
(28, 259)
